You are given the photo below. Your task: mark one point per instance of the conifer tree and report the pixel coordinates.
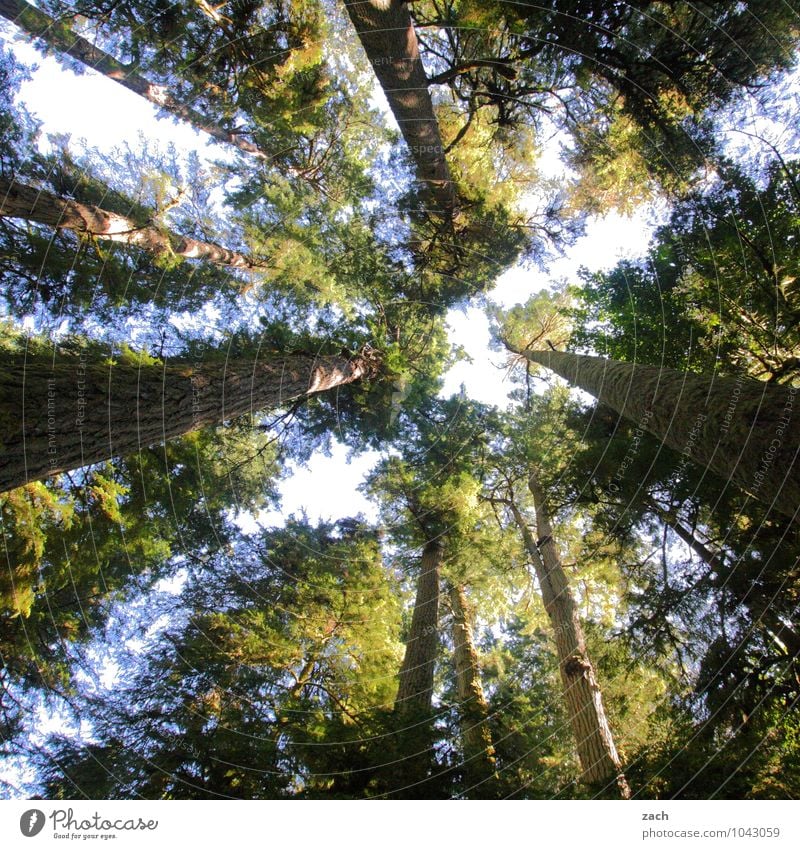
(737, 427)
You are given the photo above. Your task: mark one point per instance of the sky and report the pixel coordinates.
(68, 103)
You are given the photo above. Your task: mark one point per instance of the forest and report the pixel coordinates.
(587, 591)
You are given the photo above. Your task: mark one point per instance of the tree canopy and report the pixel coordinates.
(564, 594)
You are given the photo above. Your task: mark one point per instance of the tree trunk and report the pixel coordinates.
(390, 41)
(58, 36)
(415, 692)
(479, 759)
(21, 201)
(411, 767)
(683, 533)
(594, 742)
(745, 430)
(60, 413)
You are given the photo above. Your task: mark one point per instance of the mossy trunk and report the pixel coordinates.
(479, 755)
(390, 41)
(746, 431)
(600, 763)
(20, 201)
(416, 674)
(413, 761)
(59, 413)
(59, 37)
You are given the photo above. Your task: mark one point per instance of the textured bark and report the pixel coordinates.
(21, 201)
(414, 703)
(60, 413)
(58, 36)
(746, 431)
(584, 702)
(389, 39)
(415, 693)
(479, 756)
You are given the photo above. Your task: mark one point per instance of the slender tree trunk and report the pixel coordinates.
(21, 201)
(594, 742)
(415, 692)
(58, 36)
(60, 413)
(390, 41)
(683, 533)
(763, 612)
(479, 758)
(746, 431)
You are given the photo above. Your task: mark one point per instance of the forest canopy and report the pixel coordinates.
(587, 588)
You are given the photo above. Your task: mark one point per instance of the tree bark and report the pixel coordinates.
(744, 430)
(58, 36)
(21, 201)
(584, 702)
(390, 41)
(413, 706)
(60, 413)
(479, 756)
(415, 693)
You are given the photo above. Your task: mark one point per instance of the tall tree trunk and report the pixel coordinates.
(58, 36)
(390, 41)
(59, 413)
(415, 692)
(21, 201)
(414, 702)
(479, 758)
(594, 742)
(746, 431)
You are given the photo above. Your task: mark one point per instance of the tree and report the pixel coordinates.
(267, 678)
(684, 304)
(58, 36)
(458, 646)
(598, 755)
(475, 219)
(390, 42)
(415, 691)
(630, 83)
(528, 448)
(428, 498)
(65, 274)
(479, 755)
(63, 412)
(413, 707)
(251, 76)
(81, 550)
(721, 423)
(710, 591)
(42, 207)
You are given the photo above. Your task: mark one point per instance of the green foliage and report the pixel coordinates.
(530, 729)
(265, 664)
(685, 304)
(630, 84)
(755, 758)
(73, 546)
(257, 700)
